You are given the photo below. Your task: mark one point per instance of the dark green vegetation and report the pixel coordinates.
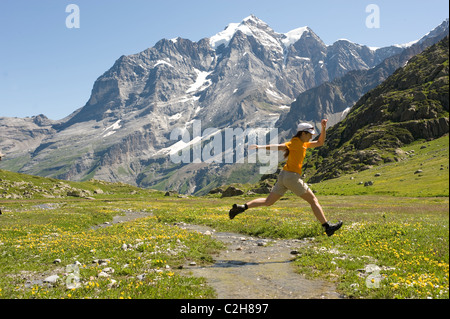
(411, 105)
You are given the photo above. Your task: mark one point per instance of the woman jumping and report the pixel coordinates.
(290, 176)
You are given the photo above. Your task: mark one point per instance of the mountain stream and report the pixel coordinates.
(251, 268)
(258, 269)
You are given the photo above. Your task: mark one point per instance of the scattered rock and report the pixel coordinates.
(371, 268)
(369, 183)
(108, 270)
(418, 171)
(192, 263)
(51, 279)
(102, 274)
(355, 286)
(232, 191)
(171, 193)
(103, 262)
(74, 193)
(261, 243)
(217, 190)
(112, 284)
(140, 277)
(260, 190)
(57, 261)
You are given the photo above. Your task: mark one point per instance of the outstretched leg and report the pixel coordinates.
(270, 200)
(318, 212)
(317, 209)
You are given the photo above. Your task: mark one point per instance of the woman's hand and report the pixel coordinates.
(253, 147)
(324, 124)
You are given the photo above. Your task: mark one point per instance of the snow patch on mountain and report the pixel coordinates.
(224, 37)
(293, 36)
(112, 129)
(406, 45)
(159, 62)
(200, 82)
(273, 94)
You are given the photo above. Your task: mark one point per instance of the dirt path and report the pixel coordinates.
(258, 269)
(129, 216)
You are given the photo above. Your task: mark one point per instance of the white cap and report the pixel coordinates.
(306, 127)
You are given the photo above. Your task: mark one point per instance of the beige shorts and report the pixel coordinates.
(290, 181)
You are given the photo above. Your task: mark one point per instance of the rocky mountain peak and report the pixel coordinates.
(247, 75)
(250, 26)
(254, 20)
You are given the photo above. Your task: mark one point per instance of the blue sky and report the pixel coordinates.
(47, 68)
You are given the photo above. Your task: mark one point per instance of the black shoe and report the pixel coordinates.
(237, 209)
(331, 228)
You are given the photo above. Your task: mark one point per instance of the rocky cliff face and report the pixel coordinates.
(22, 137)
(245, 76)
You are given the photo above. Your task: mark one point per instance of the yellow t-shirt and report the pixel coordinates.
(297, 151)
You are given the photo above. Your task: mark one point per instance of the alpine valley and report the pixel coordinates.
(246, 76)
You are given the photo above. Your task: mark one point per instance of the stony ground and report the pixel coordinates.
(255, 268)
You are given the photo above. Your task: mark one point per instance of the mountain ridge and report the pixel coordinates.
(328, 99)
(133, 107)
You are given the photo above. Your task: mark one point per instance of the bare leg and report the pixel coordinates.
(317, 209)
(270, 200)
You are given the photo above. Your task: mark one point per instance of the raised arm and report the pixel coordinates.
(272, 147)
(322, 136)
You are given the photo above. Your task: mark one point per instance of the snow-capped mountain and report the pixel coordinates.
(334, 99)
(244, 76)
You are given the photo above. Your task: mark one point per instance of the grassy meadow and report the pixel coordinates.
(394, 242)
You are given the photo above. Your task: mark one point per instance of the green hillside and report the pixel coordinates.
(422, 171)
(411, 105)
(17, 186)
